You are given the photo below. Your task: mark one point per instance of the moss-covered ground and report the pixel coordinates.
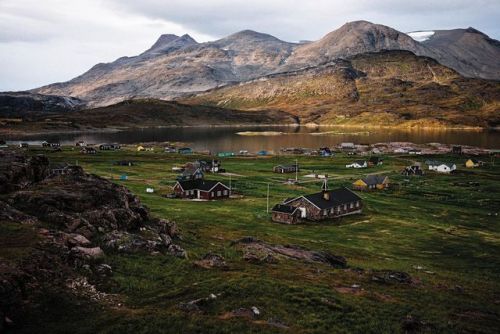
(440, 229)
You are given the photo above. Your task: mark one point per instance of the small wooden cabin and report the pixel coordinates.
(372, 182)
(357, 164)
(471, 163)
(286, 168)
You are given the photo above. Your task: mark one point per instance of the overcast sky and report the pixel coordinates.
(48, 41)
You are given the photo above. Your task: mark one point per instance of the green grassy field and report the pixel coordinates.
(442, 231)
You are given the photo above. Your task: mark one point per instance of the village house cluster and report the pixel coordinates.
(191, 182)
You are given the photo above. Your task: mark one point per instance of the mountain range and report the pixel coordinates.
(177, 66)
(361, 73)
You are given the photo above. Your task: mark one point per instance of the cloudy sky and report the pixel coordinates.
(48, 41)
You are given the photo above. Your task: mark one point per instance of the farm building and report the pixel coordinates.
(440, 167)
(471, 163)
(326, 204)
(358, 164)
(286, 168)
(201, 189)
(371, 182)
(412, 170)
(286, 214)
(375, 161)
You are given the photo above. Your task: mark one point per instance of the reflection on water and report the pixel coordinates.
(226, 138)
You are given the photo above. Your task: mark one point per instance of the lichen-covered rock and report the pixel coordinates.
(18, 171)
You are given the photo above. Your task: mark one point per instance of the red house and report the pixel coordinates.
(201, 189)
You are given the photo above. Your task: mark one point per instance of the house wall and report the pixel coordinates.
(315, 214)
(218, 192)
(285, 218)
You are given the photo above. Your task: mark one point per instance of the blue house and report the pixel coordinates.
(263, 152)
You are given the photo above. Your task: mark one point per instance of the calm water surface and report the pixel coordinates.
(218, 139)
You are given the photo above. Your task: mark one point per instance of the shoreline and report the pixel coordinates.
(24, 133)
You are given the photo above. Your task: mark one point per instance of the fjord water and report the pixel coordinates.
(217, 139)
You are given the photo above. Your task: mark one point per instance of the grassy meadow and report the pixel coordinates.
(440, 229)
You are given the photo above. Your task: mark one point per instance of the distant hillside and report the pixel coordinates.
(141, 113)
(177, 66)
(14, 104)
(385, 88)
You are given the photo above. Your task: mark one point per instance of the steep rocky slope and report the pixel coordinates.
(468, 51)
(384, 88)
(178, 66)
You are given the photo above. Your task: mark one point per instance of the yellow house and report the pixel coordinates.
(471, 163)
(140, 148)
(372, 182)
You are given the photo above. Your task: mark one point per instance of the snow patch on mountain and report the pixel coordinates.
(421, 36)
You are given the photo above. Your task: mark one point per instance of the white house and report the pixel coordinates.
(441, 167)
(401, 150)
(357, 164)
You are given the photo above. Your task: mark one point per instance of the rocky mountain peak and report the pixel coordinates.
(169, 42)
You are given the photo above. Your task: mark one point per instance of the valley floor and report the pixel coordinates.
(442, 230)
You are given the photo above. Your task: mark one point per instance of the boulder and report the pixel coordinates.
(211, 261)
(93, 253)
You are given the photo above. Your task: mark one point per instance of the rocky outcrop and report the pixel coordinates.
(258, 251)
(71, 222)
(24, 103)
(18, 171)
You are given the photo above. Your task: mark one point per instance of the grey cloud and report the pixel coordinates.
(292, 20)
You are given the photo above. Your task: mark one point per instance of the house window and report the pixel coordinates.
(218, 193)
(345, 207)
(331, 210)
(325, 212)
(212, 194)
(225, 192)
(351, 205)
(357, 204)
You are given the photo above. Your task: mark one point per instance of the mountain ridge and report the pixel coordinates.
(175, 67)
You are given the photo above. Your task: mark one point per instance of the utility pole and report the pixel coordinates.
(296, 170)
(267, 198)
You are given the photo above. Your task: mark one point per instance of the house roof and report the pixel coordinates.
(374, 179)
(337, 196)
(204, 185)
(359, 162)
(284, 208)
(432, 163)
